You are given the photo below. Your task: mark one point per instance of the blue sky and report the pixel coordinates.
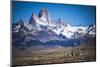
(74, 14)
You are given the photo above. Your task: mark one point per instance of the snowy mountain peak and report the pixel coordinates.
(91, 29)
(32, 19)
(44, 16)
(43, 13)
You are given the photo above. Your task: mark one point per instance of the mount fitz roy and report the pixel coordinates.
(42, 30)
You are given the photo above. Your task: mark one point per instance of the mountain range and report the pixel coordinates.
(43, 30)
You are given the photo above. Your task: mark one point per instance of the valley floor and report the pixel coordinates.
(31, 56)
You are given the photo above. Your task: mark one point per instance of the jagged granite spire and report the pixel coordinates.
(44, 15)
(32, 19)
